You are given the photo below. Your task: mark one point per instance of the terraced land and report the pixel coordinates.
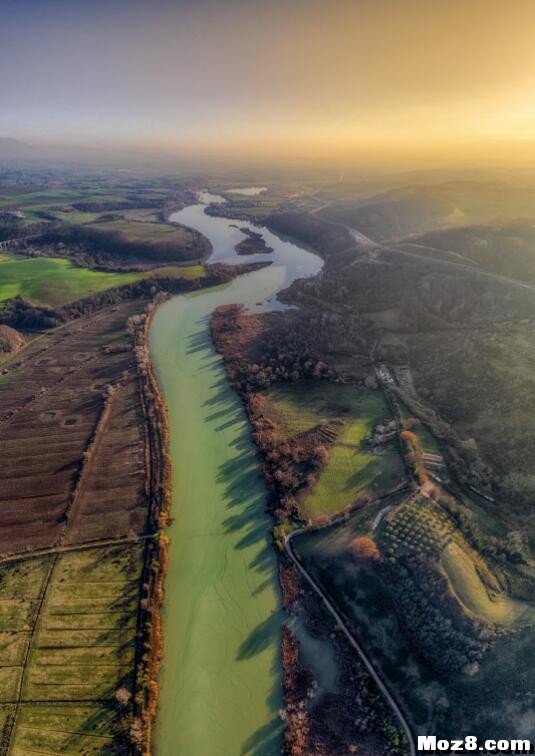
(353, 470)
(67, 645)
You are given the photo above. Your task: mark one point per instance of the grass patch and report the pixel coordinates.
(353, 470)
(9, 682)
(15, 614)
(426, 440)
(474, 594)
(12, 647)
(23, 579)
(64, 729)
(54, 281)
(84, 645)
(146, 232)
(76, 217)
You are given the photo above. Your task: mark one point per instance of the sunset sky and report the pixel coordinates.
(270, 76)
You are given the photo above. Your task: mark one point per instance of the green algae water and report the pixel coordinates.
(220, 684)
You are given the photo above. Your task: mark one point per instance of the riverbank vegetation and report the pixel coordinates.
(84, 494)
(398, 335)
(353, 469)
(314, 433)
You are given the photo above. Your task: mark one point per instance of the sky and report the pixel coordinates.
(340, 77)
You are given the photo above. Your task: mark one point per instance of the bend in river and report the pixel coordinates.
(220, 680)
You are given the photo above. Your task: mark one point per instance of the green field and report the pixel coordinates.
(425, 439)
(65, 728)
(76, 217)
(67, 631)
(145, 232)
(353, 470)
(54, 281)
(467, 584)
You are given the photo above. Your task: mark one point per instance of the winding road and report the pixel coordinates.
(351, 638)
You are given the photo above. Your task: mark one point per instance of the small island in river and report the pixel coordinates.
(253, 244)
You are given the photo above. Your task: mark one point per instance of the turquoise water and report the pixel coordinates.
(221, 678)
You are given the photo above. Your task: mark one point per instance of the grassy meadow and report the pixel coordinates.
(353, 470)
(55, 281)
(144, 231)
(465, 574)
(67, 633)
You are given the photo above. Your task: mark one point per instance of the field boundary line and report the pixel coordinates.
(28, 651)
(65, 549)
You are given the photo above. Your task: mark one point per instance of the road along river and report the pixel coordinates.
(220, 679)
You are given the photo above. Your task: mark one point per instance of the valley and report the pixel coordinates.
(239, 471)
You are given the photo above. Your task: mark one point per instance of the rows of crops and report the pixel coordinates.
(67, 633)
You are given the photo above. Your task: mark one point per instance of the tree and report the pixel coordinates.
(123, 696)
(363, 547)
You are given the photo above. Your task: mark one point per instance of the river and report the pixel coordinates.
(220, 683)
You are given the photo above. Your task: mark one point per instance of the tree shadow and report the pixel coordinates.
(265, 634)
(201, 339)
(266, 741)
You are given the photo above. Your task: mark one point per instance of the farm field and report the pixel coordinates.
(54, 281)
(68, 623)
(254, 206)
(145, 231)
(56, 202)
(353, 470)
(52, 401)
(76, 216)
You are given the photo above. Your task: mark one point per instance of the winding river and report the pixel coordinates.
(220, 679)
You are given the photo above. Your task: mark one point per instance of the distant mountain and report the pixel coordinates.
(504, 248)
(409, 210)
(13, 148)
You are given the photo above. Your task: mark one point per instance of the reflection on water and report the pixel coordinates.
(224, 234)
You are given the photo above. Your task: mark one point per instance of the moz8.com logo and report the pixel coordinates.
(472, 744)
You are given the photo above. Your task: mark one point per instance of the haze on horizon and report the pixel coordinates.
(392, 78)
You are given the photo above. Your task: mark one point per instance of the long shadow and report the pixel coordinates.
(266, 741)
(221, 413)
(263, 560)
(201, 339)
(265, 634)
(358, 476)
(245, 498)
(242, 443)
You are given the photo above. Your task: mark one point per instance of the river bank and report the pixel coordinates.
(220, 678)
